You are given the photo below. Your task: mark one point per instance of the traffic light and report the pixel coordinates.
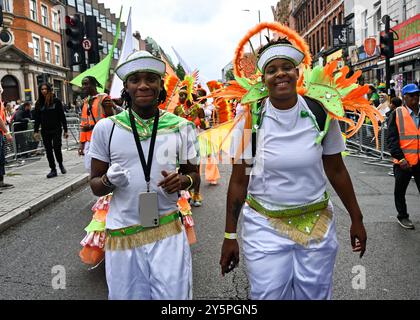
(1, 13)
(387, 38)
(95, 37)
(387, 44)
(75, 34)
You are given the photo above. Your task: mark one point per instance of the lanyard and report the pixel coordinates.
(147, 167)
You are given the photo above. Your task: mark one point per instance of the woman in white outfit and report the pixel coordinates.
(288, 231)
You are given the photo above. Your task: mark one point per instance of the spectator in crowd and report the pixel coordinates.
(392, 89)
(49, 114)
(20, 124)
(403, 142)
(395, 103)
(384, 104)
(4, 135)
(373, 95)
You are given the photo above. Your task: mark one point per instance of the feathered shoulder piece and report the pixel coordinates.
(340, 94)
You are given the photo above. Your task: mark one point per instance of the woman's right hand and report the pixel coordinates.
(229, 259)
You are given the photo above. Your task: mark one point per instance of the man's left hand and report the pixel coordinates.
(358, 237)
(66, 135)
(171, 182)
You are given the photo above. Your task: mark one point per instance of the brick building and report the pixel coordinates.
(314, 20)
(32, 49)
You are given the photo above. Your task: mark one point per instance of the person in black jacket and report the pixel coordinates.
(20, 123)
(49, 114)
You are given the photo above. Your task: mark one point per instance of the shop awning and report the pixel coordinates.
(404, 56)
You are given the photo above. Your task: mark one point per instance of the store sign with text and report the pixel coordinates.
(408, 34)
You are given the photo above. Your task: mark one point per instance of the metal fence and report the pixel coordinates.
(363, 144)
(25, 146)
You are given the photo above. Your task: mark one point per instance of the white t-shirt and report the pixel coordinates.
(288, 168)
(124, 207)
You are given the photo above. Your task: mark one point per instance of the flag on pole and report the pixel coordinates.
(101, 70)
(127, 49)
(184, 65)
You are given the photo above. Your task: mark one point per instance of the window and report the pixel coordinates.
(109, 47)
(54, 20)
(8, 5)
(33, 10)
(57, 57)
(96, 14)
(81, 6)
(35, 42)
(102, 20)
(114, 28)
(116, 53)
(105, 47)
(321, 5)
(108, 25)
(71, 3)
(89, 9)
(329, 34)
(47, 50)
(364, 25)
(316, 7)
(44, 15)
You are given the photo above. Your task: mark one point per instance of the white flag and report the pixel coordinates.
(127, 49)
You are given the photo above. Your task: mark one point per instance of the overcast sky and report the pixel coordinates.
(204, 32)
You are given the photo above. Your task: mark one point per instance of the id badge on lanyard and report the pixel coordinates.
(148, 201)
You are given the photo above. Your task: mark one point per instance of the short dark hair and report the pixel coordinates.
(93, 81)
(397, 102)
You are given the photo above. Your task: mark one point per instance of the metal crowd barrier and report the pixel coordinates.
(363, 144)
(25, 146)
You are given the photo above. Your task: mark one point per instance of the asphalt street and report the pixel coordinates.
(31, 251)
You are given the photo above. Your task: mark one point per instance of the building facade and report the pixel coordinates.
(314, 20)
(405, 65)
(33, 50)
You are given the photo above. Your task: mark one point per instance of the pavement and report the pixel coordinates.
(33, 191)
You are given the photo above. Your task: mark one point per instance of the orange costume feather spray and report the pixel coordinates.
(337, 93)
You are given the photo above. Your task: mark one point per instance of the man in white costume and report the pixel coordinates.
(144, 261)
(288, 230)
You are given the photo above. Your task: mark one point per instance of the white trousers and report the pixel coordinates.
(87, 158)
(280, 269)
(158, 271)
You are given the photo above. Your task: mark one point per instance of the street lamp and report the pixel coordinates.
(259, 21)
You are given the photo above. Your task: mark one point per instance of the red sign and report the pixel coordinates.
(86, 44)
(408, 34)
(370, 46)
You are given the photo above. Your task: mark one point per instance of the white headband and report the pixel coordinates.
(280, 51)
(140, 61)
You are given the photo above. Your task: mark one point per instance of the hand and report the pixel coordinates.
(404, 165)
(358, 237)
(171, 182)
(9, 137)
(66, 135)
(118, 176)
(37, 136)
(229, 259)
(81, 150)
(86, 128)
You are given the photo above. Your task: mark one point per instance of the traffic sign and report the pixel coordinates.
(87, 44)
(76, 58)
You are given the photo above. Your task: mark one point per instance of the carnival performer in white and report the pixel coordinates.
(288, 231)
(134, 154)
